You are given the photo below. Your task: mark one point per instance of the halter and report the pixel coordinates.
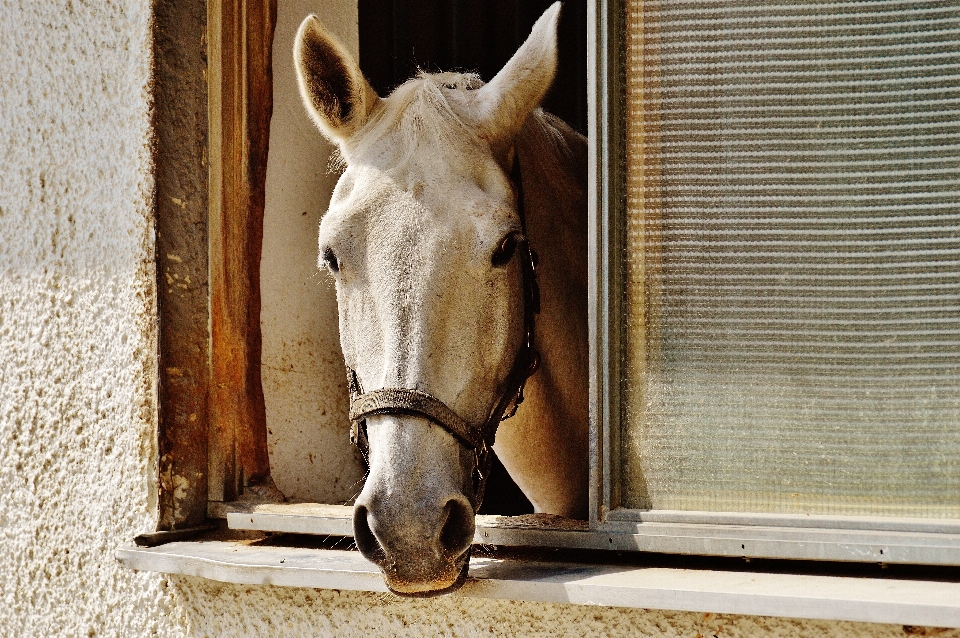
(478, 437)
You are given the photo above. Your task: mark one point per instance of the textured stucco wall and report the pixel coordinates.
(77, 362)
(78, 373)
(306, 612)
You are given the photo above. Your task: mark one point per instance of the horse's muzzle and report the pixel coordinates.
(417, 559)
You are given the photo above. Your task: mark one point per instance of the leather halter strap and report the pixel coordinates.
(479, 438)
(417, 403)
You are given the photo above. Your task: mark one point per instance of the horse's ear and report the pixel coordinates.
(518, 88)
(337, 96)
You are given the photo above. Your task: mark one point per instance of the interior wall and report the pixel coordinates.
(304, 380)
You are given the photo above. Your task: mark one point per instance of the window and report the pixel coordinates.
(774, 286)
(786, 349)
(792, 338)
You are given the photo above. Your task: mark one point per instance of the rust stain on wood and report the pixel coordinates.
(213, 99)
(241, 37)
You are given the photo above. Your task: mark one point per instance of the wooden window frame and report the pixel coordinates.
(213, 70)
(240, 107)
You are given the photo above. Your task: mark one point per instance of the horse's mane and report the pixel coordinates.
(423, 115)
(430, 112)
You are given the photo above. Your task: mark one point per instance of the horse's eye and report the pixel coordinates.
(504, 252)
(331, 260)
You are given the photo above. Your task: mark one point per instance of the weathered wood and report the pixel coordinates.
(180, 151)
(163, 537)
(241, 103)
(317, 518)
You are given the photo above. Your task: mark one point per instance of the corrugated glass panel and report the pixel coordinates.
(793, 257)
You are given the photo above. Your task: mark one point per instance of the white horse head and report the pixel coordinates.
(421, 237)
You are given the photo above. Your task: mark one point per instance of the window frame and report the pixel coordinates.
(213, 71)
(812, 537)
(240, 107)
(606, 197)
(182, 255)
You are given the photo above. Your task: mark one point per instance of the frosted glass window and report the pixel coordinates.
(793, 258)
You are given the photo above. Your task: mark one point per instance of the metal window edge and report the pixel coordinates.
(837, 598)
(820, 521)
(684, 533)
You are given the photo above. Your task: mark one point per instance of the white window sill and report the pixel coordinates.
(879, 600)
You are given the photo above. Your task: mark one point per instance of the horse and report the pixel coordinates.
(448, 185)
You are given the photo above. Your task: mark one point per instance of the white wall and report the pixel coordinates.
(77, 318)
(78, 376)
(304, 383)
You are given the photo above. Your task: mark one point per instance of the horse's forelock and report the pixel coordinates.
(423, 111)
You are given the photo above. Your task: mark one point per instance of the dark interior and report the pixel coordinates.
(398, 37)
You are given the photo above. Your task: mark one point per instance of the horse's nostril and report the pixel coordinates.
(367, 543)
(456, 534)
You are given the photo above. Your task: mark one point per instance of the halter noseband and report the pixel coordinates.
(480, 437)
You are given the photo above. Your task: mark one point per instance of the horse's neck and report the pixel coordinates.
(553, 155)
(545, 446)
(553, 163)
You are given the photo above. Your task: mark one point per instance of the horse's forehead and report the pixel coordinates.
(455, 184)
(437, 165)
(429, 195)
